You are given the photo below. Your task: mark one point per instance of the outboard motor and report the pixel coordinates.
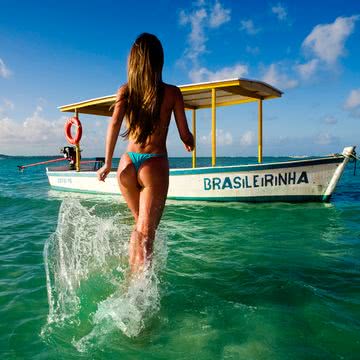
(69, 154)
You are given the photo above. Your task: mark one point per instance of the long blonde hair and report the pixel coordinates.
(144, 90)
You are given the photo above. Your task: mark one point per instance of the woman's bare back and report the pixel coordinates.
(156, 143)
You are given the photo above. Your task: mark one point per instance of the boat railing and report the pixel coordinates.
(86, 165)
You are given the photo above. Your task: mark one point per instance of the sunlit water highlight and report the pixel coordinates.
(228, 281)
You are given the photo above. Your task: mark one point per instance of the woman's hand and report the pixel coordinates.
(189, 148)
(189, 143)
(103, 172)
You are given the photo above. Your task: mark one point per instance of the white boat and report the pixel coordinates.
(312, 179)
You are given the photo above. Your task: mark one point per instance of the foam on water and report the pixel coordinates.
(84, 247)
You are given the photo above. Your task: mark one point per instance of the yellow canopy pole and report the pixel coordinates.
(77, 149)
(213, 127)
(194, 134)
(260, 119)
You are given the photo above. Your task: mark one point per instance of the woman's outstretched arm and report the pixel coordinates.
(181, 123)
(113, 133)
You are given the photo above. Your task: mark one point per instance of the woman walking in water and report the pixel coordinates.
(147, 103)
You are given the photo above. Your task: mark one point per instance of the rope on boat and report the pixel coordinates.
(22, 167)
(98, 162)
(354, 158)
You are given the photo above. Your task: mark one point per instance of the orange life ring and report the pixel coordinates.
(69, 123)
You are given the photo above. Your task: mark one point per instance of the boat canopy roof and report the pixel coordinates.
(196, 96)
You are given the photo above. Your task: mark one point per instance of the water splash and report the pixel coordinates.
(127, 311)
(87, 275)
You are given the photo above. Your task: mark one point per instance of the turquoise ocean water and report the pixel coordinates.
(230, 281)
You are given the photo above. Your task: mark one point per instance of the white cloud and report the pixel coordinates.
(204, 74)
(304, 145)
(219, 15)
(9, 104)
(330, 120)
(222, 138)
(308, 69)
(4, 71)
(352, 103)
(247, 138)
(326, 41)
(325, 138)
(249, 27)
(35, 129)
(40, 136)
(279, 11)
(353, 100)
(278, 79)
(200, 17)
(196, 38)
(5, 106)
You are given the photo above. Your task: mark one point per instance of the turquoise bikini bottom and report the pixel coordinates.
(139, 158)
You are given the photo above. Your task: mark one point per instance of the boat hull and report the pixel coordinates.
(298, 180)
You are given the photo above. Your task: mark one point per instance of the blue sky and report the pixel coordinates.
(54, 53)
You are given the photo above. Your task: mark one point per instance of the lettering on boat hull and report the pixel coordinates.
(255, 181)
(64, 180)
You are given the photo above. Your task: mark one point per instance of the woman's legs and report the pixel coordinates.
(129, 186)
(153, 177)
(145, 194)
